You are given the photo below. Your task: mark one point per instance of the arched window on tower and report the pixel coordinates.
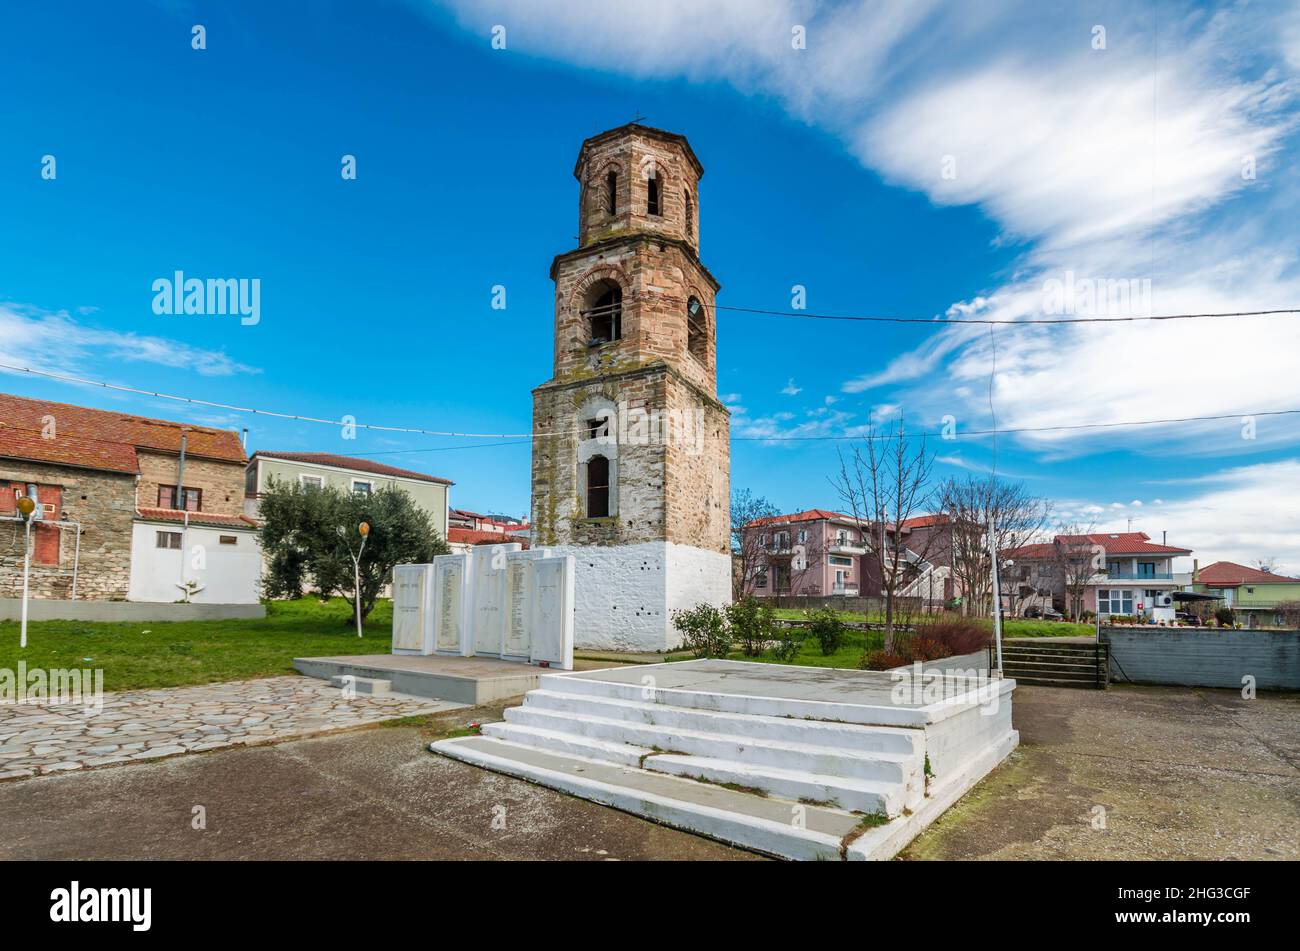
(652, 193)
(604, 313)
(690, 215)
(597, 487)
(697, 330)
(611, 193)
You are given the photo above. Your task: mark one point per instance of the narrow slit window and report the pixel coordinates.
(598, 487)
(652, 195)
(611, 193)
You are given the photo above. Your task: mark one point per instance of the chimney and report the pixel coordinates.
(1196, 570)
(243, 440)
(1164, 536)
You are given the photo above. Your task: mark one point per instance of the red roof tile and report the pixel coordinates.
(348, 462)
(102, 439)
(1125, 543)
(811, 515)
(197, 518)
(1039, 550)
(1229, 574)
(468, 536)
(926, 521)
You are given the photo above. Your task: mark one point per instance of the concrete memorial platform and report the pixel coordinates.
(469, 628)
(798, 762)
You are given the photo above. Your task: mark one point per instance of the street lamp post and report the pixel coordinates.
(363, 530)
(26, 506)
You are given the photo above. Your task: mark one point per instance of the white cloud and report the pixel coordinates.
(1114, 165)
(791, 389)
(1245, 512)
(52, 341)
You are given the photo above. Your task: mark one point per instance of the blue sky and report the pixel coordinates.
(824, 169)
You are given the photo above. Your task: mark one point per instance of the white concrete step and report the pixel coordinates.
(854, 795)
(903, 768)
(362, 685)
(851, 736)
(554, 741)
(775, 826)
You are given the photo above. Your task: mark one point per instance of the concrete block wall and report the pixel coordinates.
(1204, 658)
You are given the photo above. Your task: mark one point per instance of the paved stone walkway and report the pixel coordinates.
(139, 725)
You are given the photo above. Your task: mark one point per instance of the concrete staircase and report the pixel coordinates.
(1056, 664)
(789, 785)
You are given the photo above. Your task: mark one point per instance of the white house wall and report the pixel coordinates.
(231, 575)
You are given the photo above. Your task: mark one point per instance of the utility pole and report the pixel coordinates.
(997, 594)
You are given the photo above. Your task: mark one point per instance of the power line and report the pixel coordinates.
(508, 438)
(942, 322)
(1036, 429)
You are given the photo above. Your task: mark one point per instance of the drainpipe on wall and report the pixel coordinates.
(179, 495)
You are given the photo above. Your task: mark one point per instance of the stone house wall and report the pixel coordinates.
(103, 502)
(222, 482)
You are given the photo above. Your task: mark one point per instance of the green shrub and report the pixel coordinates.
(705, 631)
(1224, 616)
(825, 625)
(752, 623)
(788, 643)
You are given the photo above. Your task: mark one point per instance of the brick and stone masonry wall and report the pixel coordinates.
(222, 482)
(629, 156)
(657, 278)
(104, 503)
(673, 489)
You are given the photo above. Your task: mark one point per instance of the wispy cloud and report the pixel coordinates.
(55, 342)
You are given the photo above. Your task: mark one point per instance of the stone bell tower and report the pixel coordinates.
(631, 460)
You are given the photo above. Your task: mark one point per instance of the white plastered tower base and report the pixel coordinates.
(625, 594)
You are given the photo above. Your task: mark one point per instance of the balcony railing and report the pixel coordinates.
(845, 589)
(838, 547)
(1131, 576)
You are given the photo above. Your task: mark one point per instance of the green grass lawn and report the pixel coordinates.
(850, 653)
(1011, 627)
(168, 654)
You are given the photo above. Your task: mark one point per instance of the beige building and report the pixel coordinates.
(347, 473)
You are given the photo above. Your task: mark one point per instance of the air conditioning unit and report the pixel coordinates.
(1164, 601)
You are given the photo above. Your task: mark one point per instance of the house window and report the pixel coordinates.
(167, 498)
(1114, 601)
(361, 487)
(168, 540)
(1146, 569)
(311, 481)
(697, 333)
(803, 535)
(597, 487)
(228, 540)
(1250, 590)
(604, 312)
(611, 193)
(760, 578)
(597, 428)
(781, 541)
(652, 194)
(842, 560)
